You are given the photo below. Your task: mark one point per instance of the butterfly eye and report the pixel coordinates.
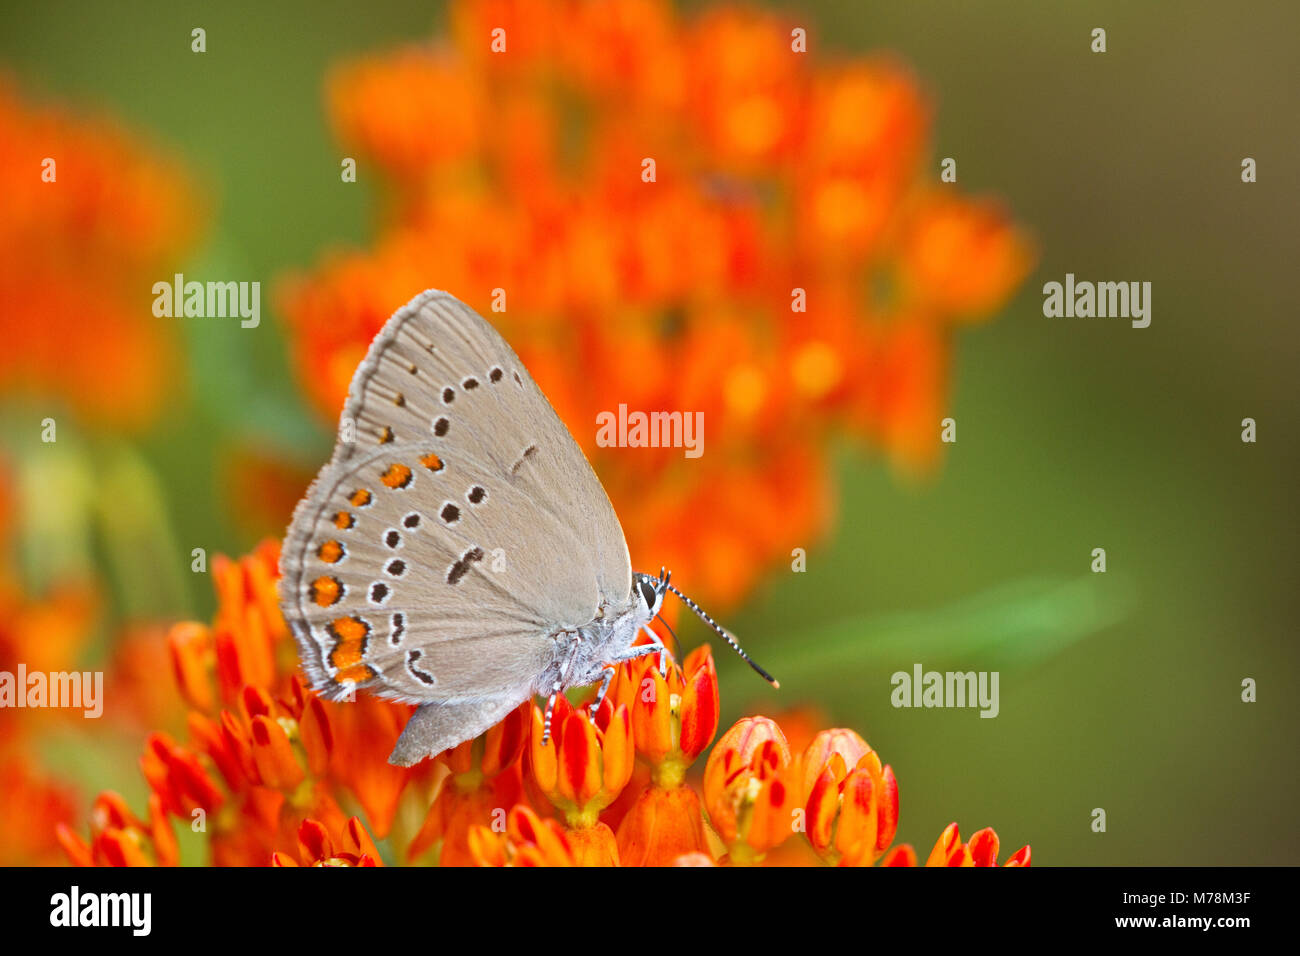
(648, 594)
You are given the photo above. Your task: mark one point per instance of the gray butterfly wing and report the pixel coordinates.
(456, 529)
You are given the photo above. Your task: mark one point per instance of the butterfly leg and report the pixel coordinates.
(550, 709)
(576, 647)
(604, 687)
(641, 650)
(663, 652)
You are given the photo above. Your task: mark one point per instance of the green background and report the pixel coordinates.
(1120, 691)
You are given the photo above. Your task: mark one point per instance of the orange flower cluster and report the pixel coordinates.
(318, 849)
(45, 632)
(674, 214)
(265, 756)
(91, 220)
(32, 805)
(274, 775)
(119, 838)
(92, 217)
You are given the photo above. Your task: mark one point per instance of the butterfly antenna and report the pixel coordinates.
(725, 635)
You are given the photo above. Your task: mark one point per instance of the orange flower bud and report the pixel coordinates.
(237, 744)
(650, 703)
(980, 850)
(465, 801)
(364, 733)
(167, 850)
(963, 256)
(901, 855)
(488, 754)
(109, 811)
(674, 716)
(700, 706)
(984, 847)
(73, 845)
(594, 845)
(663, 824)
(750, 788)
(273, 755)
(614, 813)
(248, 622)
(317, 736)
(435, 91)
(858, 830)
(587, 762)
(119, 838)
(358, 841)
(175, 774)
(486, 848)
(313, 841)
(190, 647)
(948, 848)
(316, 848)
(116, 847)
(528, 841)
(840, 742)
(1019, 858)
(852, 807)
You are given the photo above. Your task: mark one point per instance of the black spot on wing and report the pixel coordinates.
(528, 452)
(462, 565)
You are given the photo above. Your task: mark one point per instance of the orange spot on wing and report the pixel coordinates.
(432, 462)
(331, 552)
(354, 674)
(397, 476)
(344, 520)
(360, 498)
(350, 635)
(326, 590)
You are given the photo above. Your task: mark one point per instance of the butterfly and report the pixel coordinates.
(458, 551)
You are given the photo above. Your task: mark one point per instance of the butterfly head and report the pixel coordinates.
(650, 590)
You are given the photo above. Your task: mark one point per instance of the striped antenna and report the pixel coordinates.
(726, 636)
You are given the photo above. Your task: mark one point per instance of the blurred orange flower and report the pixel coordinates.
(120, 838)
(787, 268)
(44, 633)
(32, 806)
(93, 217)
